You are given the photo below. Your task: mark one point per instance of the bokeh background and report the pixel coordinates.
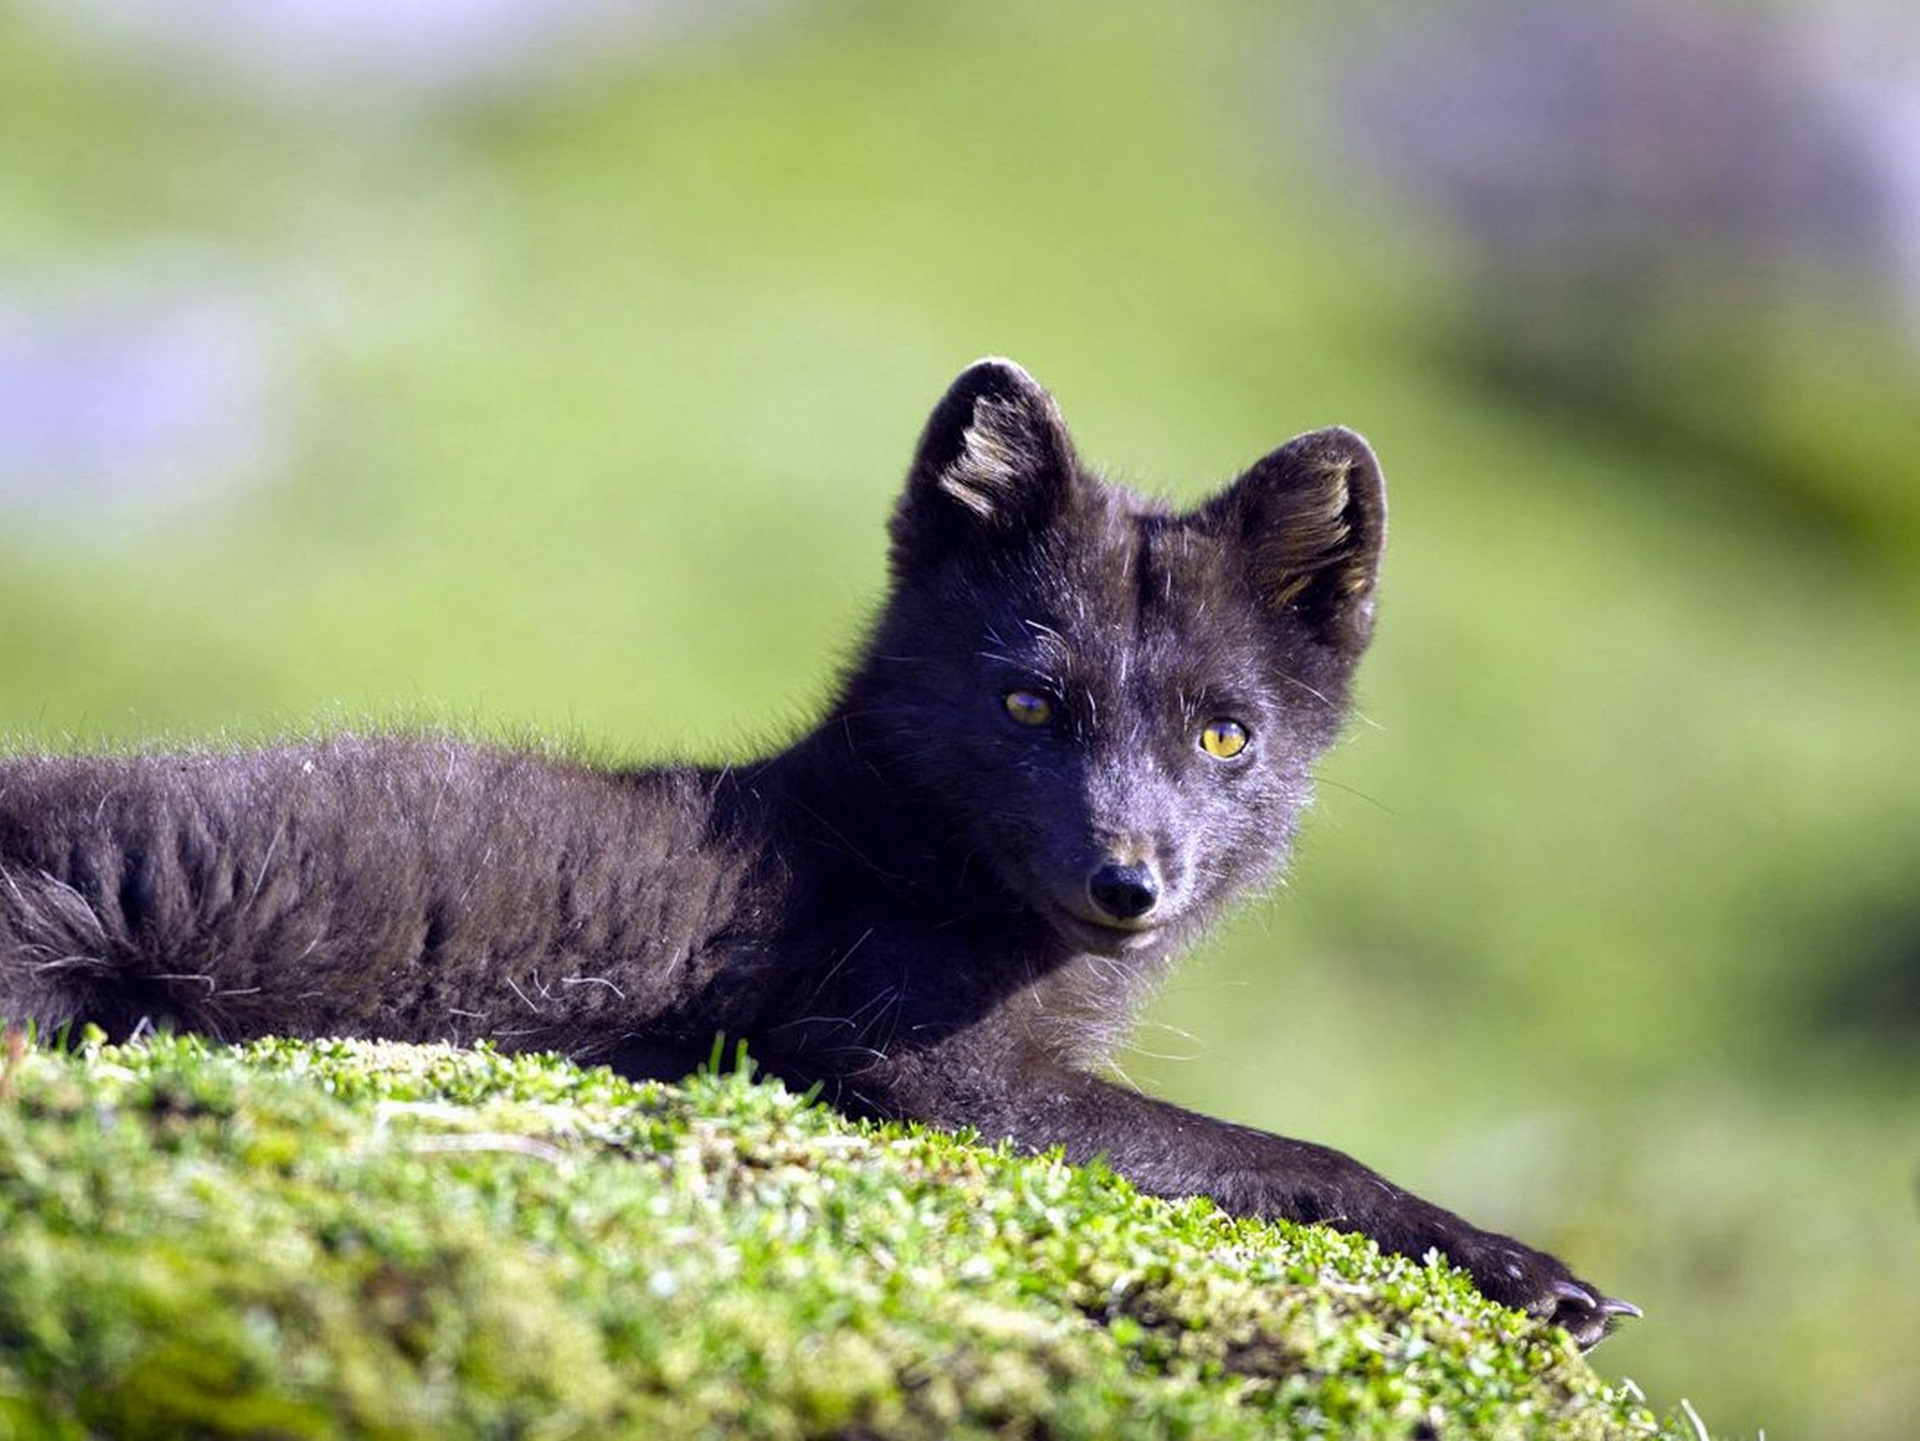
(550, 365)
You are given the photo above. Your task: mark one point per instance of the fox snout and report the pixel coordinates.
(1124, 892)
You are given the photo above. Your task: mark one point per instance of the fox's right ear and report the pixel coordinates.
(993, 460)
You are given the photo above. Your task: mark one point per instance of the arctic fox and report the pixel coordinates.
(1084, 722)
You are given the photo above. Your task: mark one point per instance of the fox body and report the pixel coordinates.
(1083, 723)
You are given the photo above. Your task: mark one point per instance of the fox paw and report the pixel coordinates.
(1534, 1282)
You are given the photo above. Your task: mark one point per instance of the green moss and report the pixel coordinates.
(319, 1239)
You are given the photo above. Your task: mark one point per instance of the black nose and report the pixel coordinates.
(1124, 892)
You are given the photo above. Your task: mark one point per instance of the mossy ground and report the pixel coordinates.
(366, 1239)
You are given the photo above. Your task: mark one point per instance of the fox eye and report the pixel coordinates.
(1223, 739)
(1030, 708)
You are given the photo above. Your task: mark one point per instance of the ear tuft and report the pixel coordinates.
(987, 471)
(1312, 518)
(994, 455)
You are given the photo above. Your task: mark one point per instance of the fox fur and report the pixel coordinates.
(1084, 722)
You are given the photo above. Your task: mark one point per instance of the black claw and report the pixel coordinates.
(1573, 1291)
(1613, 1306)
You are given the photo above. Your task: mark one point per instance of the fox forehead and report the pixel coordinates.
(1131, 599)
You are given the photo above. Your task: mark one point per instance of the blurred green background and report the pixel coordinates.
(550, 368)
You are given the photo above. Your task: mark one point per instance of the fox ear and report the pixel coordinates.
(994, 458)
(1311, 519)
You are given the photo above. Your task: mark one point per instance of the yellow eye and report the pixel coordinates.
(1223, 739)
(1027, 707)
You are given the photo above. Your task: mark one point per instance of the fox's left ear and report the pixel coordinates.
(1311, 519)
(994, 461)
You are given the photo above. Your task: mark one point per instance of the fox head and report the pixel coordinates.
(1116, 705)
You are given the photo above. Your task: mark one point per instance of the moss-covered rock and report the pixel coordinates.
(322, 1239)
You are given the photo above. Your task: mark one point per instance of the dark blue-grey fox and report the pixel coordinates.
(1083, 722)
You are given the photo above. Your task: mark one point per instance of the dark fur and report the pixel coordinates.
(898, 907)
